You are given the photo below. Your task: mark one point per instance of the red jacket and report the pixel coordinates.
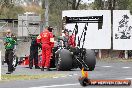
(72, 41)
(45, 37)
(51, 43)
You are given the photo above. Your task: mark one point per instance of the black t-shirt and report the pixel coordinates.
(34, 45)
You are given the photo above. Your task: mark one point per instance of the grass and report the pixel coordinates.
(28, 77)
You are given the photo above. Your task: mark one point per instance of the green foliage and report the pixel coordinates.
(117, 4)
(55, 11)
(9, 10)
(98, 4)
(123, 4)
(5, 3)
(34, 8)
(130, 5)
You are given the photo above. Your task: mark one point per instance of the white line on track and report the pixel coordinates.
(129, 78)
(106, 66)
(70, 75)
(56, 86)
(126, 67)
(55, 77)
(75, 74)
(64, 76)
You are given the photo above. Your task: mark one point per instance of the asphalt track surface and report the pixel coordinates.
(103, 70)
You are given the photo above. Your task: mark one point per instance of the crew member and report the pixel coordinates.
(46, 39)
(34, 53)
(9, 46)
(71, 39)
(52, 36)
(68, 39)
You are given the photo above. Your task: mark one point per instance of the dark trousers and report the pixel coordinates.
(9, 59)
(33, 56)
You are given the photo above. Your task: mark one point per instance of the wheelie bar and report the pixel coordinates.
(84, 65)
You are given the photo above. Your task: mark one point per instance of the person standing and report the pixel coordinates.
(9, 46)
(71, 41)
(66, 38)
(52, 36)
(34, 53)
(46, 39)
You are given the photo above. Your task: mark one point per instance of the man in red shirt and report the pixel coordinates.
(69, 38)
(52, 36)
(46, 38)
(71, 42)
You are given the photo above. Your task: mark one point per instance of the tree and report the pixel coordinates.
(122, 4)
(9, 10)
(112, 4)
(75, 4)
(33, 8)
(98, 4)
(55, 10)
(130, 5)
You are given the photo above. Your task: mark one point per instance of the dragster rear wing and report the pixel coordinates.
(88, 19)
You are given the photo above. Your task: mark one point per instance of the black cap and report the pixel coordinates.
(70, 30)
(50, 28)
(66, 30)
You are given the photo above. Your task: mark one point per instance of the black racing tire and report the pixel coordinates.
(15, 61)
(90, 59)
(63, 60)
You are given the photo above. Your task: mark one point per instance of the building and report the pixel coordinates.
(28, 23)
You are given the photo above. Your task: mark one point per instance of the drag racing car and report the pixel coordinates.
(67, 58)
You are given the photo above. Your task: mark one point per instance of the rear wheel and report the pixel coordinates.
(90, 59)
(63, 60)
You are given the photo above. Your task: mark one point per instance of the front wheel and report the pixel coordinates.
(15, 61)
(90, 59)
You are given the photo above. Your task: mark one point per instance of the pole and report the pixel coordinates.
(104, 5)
(13, 25)
(100, 56)
(126, 54)
(0, 65)
(46, 12)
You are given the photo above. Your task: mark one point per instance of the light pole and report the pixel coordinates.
(46, 12)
